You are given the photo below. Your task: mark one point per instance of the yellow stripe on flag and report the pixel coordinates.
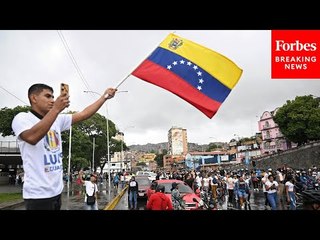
(217, 65)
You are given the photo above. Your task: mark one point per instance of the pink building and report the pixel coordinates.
(272, 138)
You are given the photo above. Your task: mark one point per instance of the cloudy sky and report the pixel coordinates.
(146, 112)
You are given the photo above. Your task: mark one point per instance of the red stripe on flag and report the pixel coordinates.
(157, 75)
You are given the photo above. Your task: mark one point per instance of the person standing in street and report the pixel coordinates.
(290, 192)
(91, 190)
(152, 189)
(177, 199)
(272, 189)
(159, 200)
(133, 193)
(39, 138)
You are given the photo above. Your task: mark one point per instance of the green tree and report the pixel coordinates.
(82, 140)
(159, 157)
(299, 119)
(212, 147)
(7, 115)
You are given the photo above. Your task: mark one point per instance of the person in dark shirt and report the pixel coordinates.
(133, 193)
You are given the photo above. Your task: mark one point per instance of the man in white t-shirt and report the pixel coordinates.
(39, 137)
(91, 189)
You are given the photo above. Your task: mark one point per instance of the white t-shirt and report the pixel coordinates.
(42, 163)
(90, 189)
(269, 184)
(230, 183)
(290, 186)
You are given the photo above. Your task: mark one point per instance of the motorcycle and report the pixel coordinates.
(206, 202)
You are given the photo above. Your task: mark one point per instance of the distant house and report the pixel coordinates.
(272, 139)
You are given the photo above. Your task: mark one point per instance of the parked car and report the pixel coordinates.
(151, 175)
(185, 190)
(143, 185)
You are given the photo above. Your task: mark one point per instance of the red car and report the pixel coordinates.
(184, 189)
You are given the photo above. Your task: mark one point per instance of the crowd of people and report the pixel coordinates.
(39, 138)
(283, 188)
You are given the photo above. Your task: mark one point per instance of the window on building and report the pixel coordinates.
(267, 124)
(268, 135)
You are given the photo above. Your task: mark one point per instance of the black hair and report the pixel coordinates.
(160, 188)
(38, 88)
(289, 177)
(154, 185)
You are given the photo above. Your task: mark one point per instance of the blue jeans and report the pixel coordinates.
(292, 197)
(273, 198)
(133, 199)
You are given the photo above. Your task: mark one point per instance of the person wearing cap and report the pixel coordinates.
(91, 189)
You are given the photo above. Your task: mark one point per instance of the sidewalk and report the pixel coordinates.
(72, 200)
(10, 189)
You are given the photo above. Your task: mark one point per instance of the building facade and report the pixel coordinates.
(177, 141)
(272, 139)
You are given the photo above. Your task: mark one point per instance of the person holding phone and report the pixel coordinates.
(272, 188)
(39, 138)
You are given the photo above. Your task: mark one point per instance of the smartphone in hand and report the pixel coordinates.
(64, 88)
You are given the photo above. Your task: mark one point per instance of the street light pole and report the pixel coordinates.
(108, 152)
(93, 143)
(122, 153)
(69, 166)
(108, 144)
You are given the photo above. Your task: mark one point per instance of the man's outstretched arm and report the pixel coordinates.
(94, 107)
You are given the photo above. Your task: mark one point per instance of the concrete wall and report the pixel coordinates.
(303, 157)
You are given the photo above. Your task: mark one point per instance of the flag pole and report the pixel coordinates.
(118, 85)
(123, 80)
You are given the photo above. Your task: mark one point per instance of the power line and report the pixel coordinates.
(65, 44)
(13, 95)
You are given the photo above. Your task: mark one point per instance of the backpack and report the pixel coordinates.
(91, 199)
(116, 179)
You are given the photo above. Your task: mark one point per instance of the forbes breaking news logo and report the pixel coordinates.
(295, 54)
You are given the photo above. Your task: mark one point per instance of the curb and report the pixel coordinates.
(11, 205)
(111, 205)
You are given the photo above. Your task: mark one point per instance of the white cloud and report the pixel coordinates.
(106, 57)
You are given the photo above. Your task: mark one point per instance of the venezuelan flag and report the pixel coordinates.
(199, 75)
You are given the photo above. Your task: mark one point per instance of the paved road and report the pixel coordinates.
(71, 200)
(74, 199)
(256, 203)
(124, 205)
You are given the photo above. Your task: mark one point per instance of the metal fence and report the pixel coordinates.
(9, 147)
